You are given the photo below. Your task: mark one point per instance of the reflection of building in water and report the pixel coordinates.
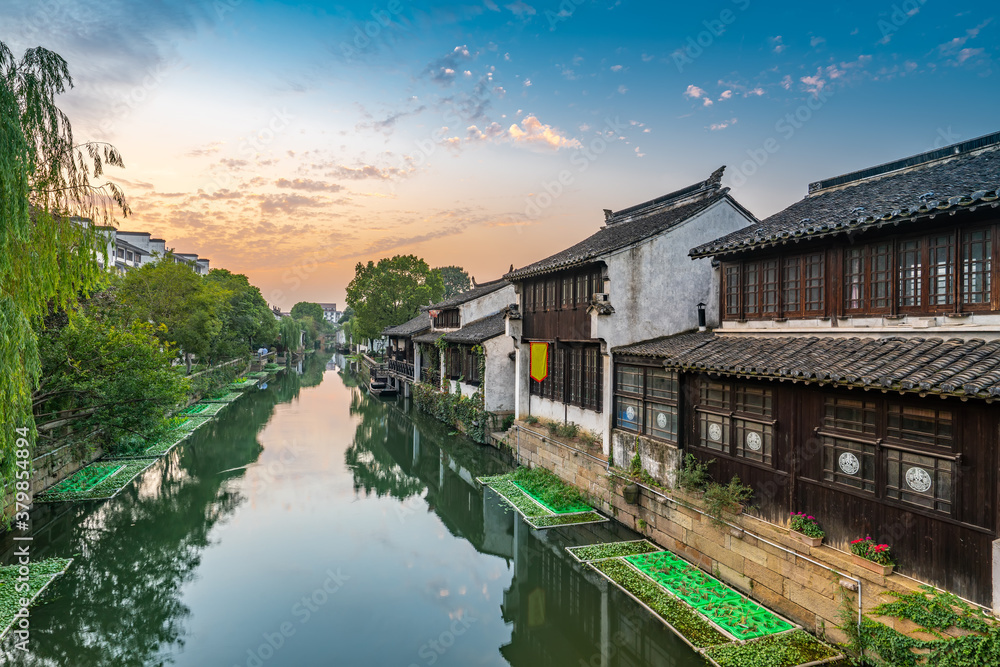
(562, 612)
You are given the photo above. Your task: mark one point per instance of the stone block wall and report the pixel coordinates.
(763, 560)
(53, 466)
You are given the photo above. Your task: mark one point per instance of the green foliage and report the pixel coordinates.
(868, 549)
(40, 573)
(550, 520)
(247, 321)
(531, 420)
(391, 292)
(613, 549)
(504, 485)
(568, 430)
(307, 309)
(188, 307)
(589, 438)
(806, 524)
(100, 480)
(104, 377)
(451, 407)
(936, 613)
(508, 421)
(693, 476)
(687, 622)
(786, 650)
(455, 280)
(551, 491)
(726, 499)
(47, 257)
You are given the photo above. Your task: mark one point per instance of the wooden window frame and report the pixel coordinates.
(734, 420)
(645, 401)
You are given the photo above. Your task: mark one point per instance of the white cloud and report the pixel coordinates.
(723, 125)
(616, 68)
(521, 8)
(726, 94)
(776, 44)
(694, 92)
(533, 132)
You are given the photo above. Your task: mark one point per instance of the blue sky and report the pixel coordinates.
(289, 141)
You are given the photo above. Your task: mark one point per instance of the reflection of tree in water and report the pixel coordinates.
(119, 604)
(375, 469)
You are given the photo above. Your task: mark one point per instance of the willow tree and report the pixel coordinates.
(51, 200)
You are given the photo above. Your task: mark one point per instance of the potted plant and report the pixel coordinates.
(875, 557)
(807, 529)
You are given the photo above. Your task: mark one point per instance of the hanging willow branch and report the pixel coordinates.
(50, 206)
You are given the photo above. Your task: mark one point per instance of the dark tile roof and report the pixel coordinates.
(953, 366)
(635, 224)
(956, 178)
(476, 332)
(419, 323)
(482, 289)
(429, 337)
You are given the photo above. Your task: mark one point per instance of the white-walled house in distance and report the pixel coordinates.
(630, 281)
(462, 322)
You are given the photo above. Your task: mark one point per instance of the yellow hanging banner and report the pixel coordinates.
(539, 361)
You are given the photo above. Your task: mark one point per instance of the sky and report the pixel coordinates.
(290, 141)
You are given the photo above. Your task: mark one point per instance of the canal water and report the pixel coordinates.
(312, 524)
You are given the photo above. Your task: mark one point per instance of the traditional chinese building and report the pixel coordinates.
(629, 281)
(463, 340)
(854, 372)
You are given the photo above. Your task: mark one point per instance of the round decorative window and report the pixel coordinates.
(849, 463)
(919, 480)
(754, 441)
(715, 432)
(661, 420)
(630, 413)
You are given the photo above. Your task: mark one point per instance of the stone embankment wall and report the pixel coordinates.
(806, 584)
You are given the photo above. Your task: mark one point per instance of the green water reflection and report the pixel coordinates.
(312, 524)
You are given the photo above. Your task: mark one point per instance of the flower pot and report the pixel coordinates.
(811, 541)
(631, 494)
(884, 570)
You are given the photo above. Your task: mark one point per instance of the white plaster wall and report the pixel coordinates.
(500, 374)
(487, 305)
(548, 409)
(655, 287)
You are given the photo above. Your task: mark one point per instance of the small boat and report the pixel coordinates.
(379, 387)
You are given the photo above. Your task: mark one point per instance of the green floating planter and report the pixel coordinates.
(212, 409)
(98, 481)
(192, 423)
(611, 550)
(570, 508)
(735, 614)
(785, 650)
(40, 574)
(228, 397)
(535, 513)
(192, 410)
(683, 620)
(554, 520)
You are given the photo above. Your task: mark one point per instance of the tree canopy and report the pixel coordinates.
(103, 374)
(169, 293)
(391, 292)
(308, 309)
(456, 280)
(47, 252)
(247, 321)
